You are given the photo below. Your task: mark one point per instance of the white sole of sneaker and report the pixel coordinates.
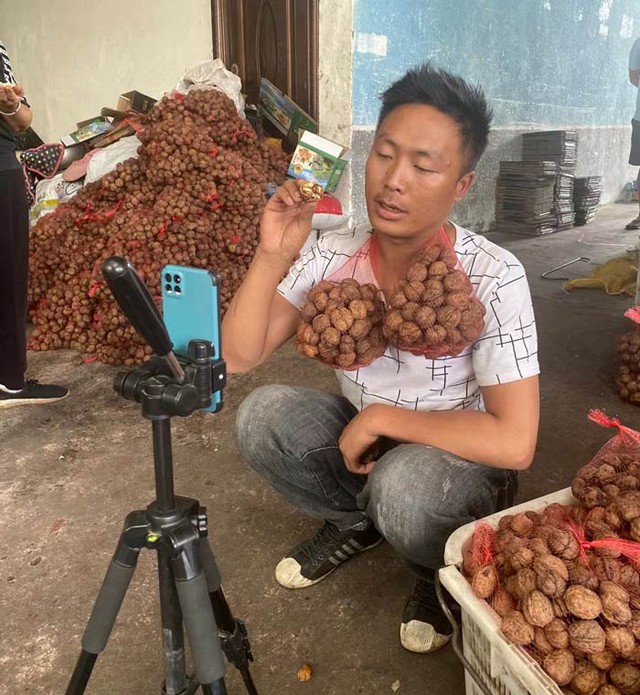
(289, 576)
(421, 638)
(15, 402)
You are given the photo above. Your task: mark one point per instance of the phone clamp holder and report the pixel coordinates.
(191, 595)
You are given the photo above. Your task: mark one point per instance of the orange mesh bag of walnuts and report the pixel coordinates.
(628, 376)
(433, 309)
(342, 318)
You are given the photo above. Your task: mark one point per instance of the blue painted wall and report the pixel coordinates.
(548, 62)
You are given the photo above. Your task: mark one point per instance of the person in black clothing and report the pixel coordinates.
(15, 116)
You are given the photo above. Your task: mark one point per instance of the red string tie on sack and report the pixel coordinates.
(633, 313)
(630, 549)
(602, 419)
(236, 238)
(95, 287)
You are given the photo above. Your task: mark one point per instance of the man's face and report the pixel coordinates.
(414, 172)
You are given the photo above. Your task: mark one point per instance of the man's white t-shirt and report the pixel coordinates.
(506, 350)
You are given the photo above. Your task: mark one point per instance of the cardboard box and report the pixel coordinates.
(319, 159)
(135, 101)
(87, 130)
(283, 112)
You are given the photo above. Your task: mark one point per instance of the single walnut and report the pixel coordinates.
(417, 272)
(360, 328)
(307, 350)
(398, 300)
(634, 625)
(435, 335)
(310, 191)
(613, 589)
(608, 689)
(449, 258)
(606, 568)
(471, 331)
(350, 292)
(557, 634)
(560, 666)
(560, 609)
(563, 544)
(346, 360)
(432, 290)
(582, 602)
(335, 292)
(458, 300)
(457, 281)
(582, 574)
(517, 629)
(448, 316)
(537, 609)
(522, 583)
(539, 546)
(612, 516)
(541, 642)
(341, 319)
(438, 269)
(306, 334)
(328, 353)
(320, 322)
(628, 504)
(614, 609)
(414, 291)
(586, 678)
(409, 310)
(309, 312)
(409, 333)
(626, 678)
(620, 641)
(430, 254)
(551, 575)
(347, 344)
(502, 602)
(425, 316)
(394, 320)
(358, 309)
(587, 636)
(363, 345)
(331, 336)
(521, 525)
(484, 581)
(603, 660)
(522, 558)
(627, 482)
(369, 291)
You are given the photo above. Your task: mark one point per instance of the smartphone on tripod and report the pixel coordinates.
(191, 309)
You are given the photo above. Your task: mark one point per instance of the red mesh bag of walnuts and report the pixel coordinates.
(433, 309)
(611, 480)
(628, 376)
(342, 318)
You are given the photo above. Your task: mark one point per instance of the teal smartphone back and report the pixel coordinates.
(190, 308)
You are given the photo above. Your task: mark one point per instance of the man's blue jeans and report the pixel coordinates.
(415, 495)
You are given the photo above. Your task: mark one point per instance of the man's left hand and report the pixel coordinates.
(357, 441)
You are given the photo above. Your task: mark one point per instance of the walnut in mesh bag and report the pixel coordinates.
(342, 324)
(433, 311)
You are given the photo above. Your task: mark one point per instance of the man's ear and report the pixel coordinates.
(463, 185)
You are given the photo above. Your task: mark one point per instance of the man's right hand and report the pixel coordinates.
(286, 222)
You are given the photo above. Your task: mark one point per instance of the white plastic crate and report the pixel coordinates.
(503, 668)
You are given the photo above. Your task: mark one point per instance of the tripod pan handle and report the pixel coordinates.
(137, 304)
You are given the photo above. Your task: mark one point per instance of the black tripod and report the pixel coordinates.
(175, 527)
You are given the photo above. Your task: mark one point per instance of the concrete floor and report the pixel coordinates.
(70, 473)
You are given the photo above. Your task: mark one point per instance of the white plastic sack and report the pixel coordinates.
(46, 198)
(106, 160)
(212, 74)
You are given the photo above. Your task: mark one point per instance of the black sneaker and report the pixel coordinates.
(33, 392)
(425, 627)
(313, 560)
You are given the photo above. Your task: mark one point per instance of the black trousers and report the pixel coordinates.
(14, 271)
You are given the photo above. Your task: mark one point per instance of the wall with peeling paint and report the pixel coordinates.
(543, 64)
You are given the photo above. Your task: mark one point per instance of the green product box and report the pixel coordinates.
(319, 159)
(283, 112)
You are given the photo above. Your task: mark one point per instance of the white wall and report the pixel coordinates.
(76, 56)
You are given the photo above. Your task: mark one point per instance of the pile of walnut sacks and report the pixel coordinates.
(432, 312)
(561, 585)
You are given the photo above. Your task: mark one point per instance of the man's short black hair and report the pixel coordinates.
(450, 95)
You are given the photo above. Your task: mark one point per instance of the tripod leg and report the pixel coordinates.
(199, 621)
(233, 633)
(175, 676)
(107, 605)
